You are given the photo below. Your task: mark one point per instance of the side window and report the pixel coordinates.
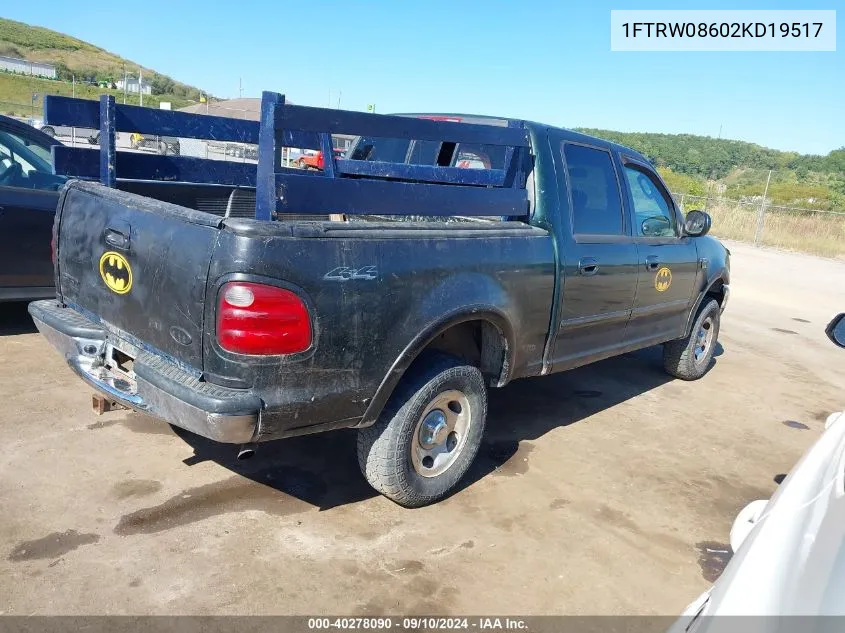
(596, 203)
(655, 216)
(24, 164)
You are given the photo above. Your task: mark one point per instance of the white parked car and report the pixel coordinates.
(789, 551)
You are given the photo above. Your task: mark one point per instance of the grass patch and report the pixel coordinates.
(813, 232)
(16, 94)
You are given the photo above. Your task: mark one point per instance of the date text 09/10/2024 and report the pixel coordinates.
(419, 623)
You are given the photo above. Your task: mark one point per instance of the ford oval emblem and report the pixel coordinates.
(180, 336)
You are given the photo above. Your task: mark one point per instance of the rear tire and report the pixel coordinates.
(49, 131)
(689, 358)
(428, 434)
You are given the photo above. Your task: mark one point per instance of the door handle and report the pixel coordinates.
(652, 263)
(117, 239)
(588, 266)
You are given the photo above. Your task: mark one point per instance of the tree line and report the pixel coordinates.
(690, 164)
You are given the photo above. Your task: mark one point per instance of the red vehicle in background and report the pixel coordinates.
(315, 161)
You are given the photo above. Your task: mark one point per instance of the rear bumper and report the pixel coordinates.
(163, 389)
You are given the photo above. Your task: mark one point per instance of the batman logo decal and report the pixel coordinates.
(663, 279)
(116, 272)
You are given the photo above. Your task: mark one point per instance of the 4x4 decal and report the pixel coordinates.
(345, 273)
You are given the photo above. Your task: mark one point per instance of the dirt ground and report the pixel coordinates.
(610, 489)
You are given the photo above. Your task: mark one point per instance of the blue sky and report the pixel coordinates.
(546, 60)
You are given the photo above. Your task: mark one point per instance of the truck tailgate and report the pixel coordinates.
(137, 264)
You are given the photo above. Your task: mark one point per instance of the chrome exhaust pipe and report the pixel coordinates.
(246, 451)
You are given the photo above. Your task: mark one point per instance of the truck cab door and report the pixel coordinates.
(598, 256)
(668, 266)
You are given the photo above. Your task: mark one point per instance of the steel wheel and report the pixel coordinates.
(703, 340)
(689, 358)
(440, 433)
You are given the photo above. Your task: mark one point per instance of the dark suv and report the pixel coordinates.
(29, 192)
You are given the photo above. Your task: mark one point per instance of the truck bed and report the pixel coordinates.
(374, 290)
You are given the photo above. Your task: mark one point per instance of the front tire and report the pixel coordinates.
(428, 434)
(689, 358)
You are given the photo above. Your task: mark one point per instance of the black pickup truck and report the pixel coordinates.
(393, 320)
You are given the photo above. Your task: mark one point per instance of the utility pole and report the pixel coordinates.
(338, 99)
(73, 94)
(712, 176)
(762, 214)
(240, 88)
(140, 91)
(124, 84)
(32, 96)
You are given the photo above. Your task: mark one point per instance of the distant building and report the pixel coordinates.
(133, 86)
(26, 67)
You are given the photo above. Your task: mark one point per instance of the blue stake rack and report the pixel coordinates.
(343, 186)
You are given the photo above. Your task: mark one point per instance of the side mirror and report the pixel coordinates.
(836, 330)
(656, 226)
(697, 223)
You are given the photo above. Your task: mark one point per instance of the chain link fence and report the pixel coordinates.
(756, 221)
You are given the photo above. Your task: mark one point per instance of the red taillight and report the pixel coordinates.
(257, 319)
(320, 162)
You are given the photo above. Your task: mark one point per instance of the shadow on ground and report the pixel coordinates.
(322, 469)
(14, 319)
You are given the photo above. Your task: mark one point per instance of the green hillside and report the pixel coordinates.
(693, 164)
(16, 95)
(88, 63)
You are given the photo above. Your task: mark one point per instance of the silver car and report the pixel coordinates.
(66, 131)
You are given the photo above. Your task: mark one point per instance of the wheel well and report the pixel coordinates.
(479, 343)
(717, 291)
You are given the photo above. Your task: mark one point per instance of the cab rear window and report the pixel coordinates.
(433, 153)
(375, 148)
